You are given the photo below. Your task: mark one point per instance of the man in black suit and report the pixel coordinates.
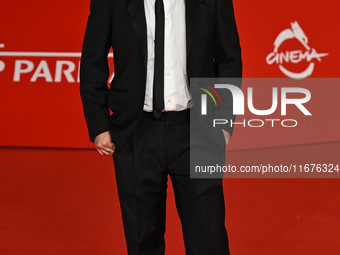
(157, 47)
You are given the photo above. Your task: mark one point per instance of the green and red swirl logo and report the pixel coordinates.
(211, 92)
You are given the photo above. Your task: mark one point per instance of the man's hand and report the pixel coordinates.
(226, 136)
(104, 144)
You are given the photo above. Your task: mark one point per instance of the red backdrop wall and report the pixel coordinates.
(40, 45)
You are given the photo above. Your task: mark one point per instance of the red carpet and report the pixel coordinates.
(64, 202)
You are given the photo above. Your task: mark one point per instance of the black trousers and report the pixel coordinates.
(157, 149)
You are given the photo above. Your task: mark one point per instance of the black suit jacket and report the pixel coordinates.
(213, 50)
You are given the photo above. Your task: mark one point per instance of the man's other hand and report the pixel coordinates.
(104, 144)
(226, 136)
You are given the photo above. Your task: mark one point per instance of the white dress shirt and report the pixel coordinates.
(176, 89)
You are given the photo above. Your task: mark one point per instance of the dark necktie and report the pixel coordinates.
(158, 83)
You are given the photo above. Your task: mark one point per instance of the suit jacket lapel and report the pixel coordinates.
(191, 10)
(137, 14)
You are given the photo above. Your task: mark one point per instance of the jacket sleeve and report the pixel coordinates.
(227, 54)
(94, 69)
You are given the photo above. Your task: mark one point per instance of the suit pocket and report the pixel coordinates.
(203, 8)
(204, 2)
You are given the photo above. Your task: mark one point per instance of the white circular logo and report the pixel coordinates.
(296, 56)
